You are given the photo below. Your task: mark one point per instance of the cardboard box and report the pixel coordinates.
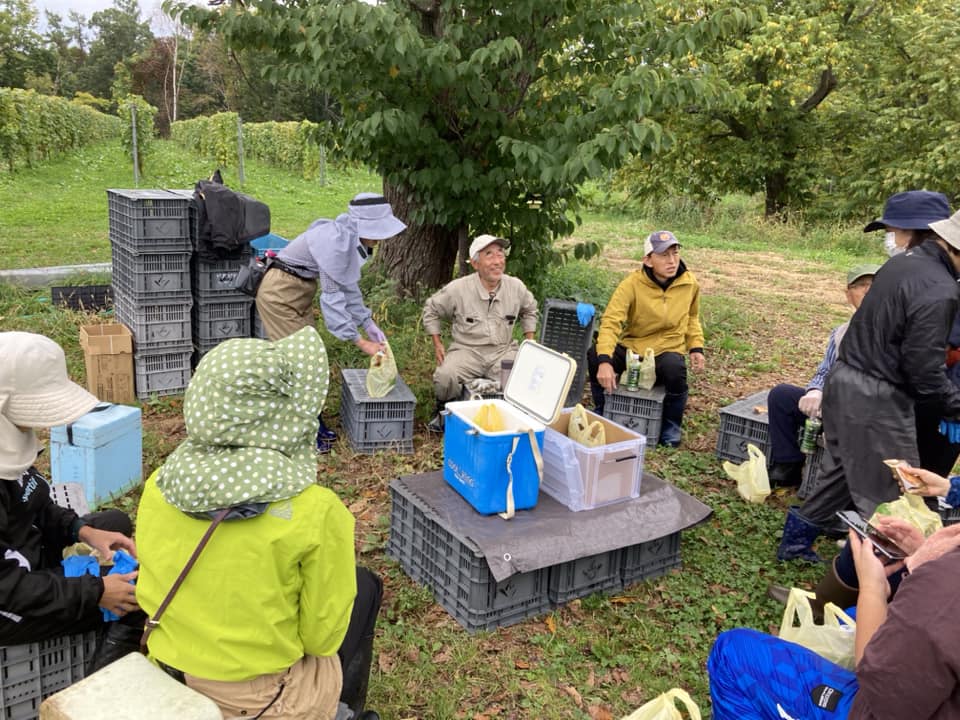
(583, 478)
(108, 356)
(480, 464)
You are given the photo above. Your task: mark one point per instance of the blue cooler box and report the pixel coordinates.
(475, 460)
(101, 450)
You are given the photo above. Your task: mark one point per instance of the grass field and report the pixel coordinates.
(771, 294)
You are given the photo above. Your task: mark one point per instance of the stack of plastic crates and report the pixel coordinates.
(150, 248)
(561, 331)
(220, 312)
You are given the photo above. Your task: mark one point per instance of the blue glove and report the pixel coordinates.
(951, 430)
(585, 313)
(373, 332)
(123, 563)
(77, 565)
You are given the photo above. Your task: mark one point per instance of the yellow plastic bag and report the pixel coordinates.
(489, 418)
(382, 375)
(753, 484)
(581, 430)
(914, 510)
(833, 640)
(648, 370)
(664, 707)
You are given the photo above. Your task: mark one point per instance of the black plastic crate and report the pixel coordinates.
(811, 471)
(30, 673)
(650, 559)
(373, 424)
(560, 330)
(149, 220)
(740, 424)
(584, 576)
(82, 297)
(637, 410)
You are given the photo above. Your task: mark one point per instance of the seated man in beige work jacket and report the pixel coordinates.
(482, 308)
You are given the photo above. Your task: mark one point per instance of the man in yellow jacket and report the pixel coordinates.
(656, 306)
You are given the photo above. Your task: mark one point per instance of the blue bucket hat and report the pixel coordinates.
(912, 210)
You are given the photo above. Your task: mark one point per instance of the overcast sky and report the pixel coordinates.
(148, 8)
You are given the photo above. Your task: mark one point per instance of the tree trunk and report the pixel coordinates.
(422, 257)
(775, 191)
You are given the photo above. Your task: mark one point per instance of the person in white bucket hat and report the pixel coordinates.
(482, 308)
(36, 601)
(329, 253)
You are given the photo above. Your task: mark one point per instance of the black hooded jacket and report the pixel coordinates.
(900, 332)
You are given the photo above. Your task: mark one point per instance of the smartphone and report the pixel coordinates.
(883, 545)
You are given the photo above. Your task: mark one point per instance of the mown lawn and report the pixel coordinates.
(771, 294)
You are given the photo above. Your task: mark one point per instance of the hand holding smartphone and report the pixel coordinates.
(883, 545)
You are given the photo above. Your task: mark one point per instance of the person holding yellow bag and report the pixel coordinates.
(907, 652)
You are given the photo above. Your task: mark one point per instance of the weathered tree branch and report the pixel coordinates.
(828, 82)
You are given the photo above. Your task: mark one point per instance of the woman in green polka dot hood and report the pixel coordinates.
(251, 414)
(265, 615)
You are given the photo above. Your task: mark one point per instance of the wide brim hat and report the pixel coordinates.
(949, 229)
(912, 210)
(33, 375)
(374, 216)
(251, 416)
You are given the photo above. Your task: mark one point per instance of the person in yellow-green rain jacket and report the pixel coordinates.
(657, 306)
(274, 620)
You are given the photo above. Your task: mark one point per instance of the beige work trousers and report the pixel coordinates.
(285, 303)
(311, 691)
(462, 364)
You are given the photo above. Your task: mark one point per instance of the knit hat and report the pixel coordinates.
(251, 416)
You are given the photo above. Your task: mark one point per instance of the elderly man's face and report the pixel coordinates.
(490, 263)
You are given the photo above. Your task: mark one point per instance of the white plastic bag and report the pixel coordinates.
(753, 484)
(833, 640)
(664, 707)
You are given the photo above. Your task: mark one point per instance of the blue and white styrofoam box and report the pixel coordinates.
(103, 451)
(475, 461)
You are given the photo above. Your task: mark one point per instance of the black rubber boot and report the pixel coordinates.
(673, 406)
(831, 589)
(798, 537)
(787, 474)
(120, 638)
(356, 676)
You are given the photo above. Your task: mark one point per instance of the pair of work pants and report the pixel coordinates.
(463, 364)
(285, 303)
(785, 423)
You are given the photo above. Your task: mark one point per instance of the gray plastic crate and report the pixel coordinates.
(373, 424)
(256, 324)
(637, 410)
(458, 575)
(740, 425)
(162, 373)
(149, 220)
(402, 540)
(30, 673)
(150, 276)
(221, 319)
(216, 278)
(650, 559)
(586, 576)
(560, 330)
(811, 472)
(155, 325)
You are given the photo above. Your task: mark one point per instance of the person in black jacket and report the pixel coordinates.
(36, 601)
(890, 365)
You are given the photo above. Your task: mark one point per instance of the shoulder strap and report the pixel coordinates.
(154, 622)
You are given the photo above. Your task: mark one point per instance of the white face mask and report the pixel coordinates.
(890, 244)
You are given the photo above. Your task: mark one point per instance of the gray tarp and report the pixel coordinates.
(550, 534)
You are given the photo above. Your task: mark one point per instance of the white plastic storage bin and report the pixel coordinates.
(475, 461)
(583, 478)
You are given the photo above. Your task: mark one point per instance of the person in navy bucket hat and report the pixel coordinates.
(907, 211)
